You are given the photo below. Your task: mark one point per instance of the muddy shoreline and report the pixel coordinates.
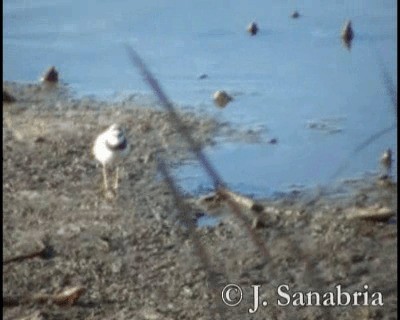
(131, 255)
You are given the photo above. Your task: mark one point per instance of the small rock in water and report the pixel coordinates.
(50, 76)
(252, 28)
(221, 98)
(295, 15)
(347, 34)
(203, 76)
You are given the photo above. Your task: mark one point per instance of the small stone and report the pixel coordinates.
(256, 207)
(252, 28)
(372, 213)
(50, 76)
(40, 139)
(69, 296)
(347, 32)
(188, 292)
(148, 158)
(7, 97)
(295, 15)
(221, 98)
(257, 223)
(116, 267)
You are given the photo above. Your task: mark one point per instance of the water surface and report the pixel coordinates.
(292, 74)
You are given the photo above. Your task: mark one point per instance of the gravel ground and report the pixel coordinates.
(130, 258)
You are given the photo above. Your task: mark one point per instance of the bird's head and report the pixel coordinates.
(116, 135)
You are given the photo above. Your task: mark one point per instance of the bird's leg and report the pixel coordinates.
(105, 178)
(116, 179)
(389, 171)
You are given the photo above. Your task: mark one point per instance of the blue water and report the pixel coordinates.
(293, 72)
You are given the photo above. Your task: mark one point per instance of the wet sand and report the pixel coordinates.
(130, 255)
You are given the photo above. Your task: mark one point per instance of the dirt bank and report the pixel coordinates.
(130, 256)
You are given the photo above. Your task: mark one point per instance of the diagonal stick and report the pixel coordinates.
(195, 148)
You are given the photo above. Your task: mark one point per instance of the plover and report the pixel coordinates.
(386, 160)
(111, 147)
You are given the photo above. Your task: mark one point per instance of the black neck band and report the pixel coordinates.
(120, 146)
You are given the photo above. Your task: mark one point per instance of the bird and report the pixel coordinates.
(111, 147)
(386, 160)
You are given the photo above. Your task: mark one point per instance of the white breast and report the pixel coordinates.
(100, 150)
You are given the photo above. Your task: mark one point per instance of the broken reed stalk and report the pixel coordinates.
(44, 253)
(23, 257)
(183, 210)
(67, 297)
(174, 118)
(195, 148)
(239, 215)
(231, 198)
(244, 201)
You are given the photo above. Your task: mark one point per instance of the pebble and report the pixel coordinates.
(252, 28)
(221, 98)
